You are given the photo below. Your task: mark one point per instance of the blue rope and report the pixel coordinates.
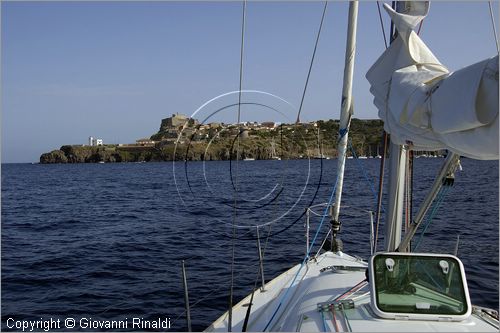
(325, 214)
(324, 321)
(435, 207)
(365, 174)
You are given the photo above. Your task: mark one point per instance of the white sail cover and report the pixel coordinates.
(425, 106)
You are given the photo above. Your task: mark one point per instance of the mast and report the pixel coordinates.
(397, 167)
(345, 115)
(394, 216)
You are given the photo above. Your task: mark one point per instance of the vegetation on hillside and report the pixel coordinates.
(286, 141)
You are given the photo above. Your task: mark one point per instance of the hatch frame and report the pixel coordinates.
(408, 315)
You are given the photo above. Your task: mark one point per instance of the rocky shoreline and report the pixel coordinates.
(293, 142)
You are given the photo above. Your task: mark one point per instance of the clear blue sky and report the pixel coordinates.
(115, 69)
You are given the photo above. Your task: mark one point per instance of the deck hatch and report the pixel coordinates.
(418, 286)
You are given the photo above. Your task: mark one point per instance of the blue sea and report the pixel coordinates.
(106, 241)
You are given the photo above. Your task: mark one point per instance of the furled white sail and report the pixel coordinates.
(424, 105)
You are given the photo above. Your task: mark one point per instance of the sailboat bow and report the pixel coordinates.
(424, 106)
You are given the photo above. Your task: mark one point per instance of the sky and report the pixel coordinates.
(113, 70)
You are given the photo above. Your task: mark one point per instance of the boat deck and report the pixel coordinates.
(330, 294)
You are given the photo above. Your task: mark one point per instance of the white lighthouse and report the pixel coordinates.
(91, 141)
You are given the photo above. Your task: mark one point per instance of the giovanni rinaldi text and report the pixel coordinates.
(87, 323)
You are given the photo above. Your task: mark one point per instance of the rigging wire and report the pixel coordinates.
(239, 120)
(410, 178)
(298, 117)
(330, 200)
(210, 293)
(385, 142)
(334, 187)
(382, 24)
(320, 28)
(242, 273)
(296, 220)
(231, 288)
(241, 57)
(494, 27)
(393, 33)
(439, 200)
(410, 187)
(365, 173)
(408, 193)
(420, 27)
(312, 62)
(380, 188)
(378, 197)
(249, 309)
(221, 244)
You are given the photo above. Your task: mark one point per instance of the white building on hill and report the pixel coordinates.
(95, 142)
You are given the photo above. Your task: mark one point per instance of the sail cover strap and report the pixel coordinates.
(423, 104)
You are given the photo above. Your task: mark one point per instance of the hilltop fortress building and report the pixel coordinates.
(176, 121)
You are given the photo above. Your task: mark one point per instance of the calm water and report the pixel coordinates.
(105, 241)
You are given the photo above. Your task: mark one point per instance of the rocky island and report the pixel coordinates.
(183, 138)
